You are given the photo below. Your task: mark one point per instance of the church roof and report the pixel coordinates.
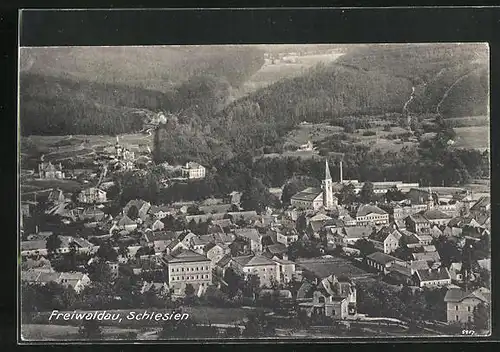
(309, 194)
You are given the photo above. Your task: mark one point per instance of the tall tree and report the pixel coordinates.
(53, 243)
(107, 252)
(366, 195)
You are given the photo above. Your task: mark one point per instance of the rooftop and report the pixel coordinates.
(382, 258)
(433, 275)
(308, 194)
(186, 256)
(366, 209)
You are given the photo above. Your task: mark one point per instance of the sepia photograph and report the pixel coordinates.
(263, 191)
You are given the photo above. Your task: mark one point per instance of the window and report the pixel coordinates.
(182, 269)
(456, 307)
(468, 309)
(469, 319)
(173, 269)
(456, 317)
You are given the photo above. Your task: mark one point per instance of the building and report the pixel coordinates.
(286, 269)
(417, 223)
(92, 195)
(42, 277)
(50, 171)
(386, 239)
(460, 304)
(436, 217)
(433, 277)
(188, 267)
(193, 171)
(316, 198)
(333, 297)
(56, 196)
(215, 252)
(142, 208)
(266, 269)
(368, 214)
(350, 235)
(251, 237)
(381, 261)
(287, 238)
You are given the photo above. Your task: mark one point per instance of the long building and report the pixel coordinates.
(188, 267)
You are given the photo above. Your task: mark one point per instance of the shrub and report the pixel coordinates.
(369, 133)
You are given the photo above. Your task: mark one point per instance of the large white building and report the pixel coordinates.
(316, 198)
(193, 171)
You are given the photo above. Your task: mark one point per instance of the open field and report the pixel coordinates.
(65, 185)
(476, 137)
(91, 141)
(471, 121)
(311, 132)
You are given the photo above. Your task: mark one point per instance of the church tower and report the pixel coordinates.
(328, 201)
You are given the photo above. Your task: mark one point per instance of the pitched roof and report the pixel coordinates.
(277, 248)
(251, 234)
(435, 214)
(400, 269)
(160, 236)
(366, 209)
(308, 194)
(482, 202)
(430, 256)
(125, 220)
(458, 295)
(433, 275)
(246, 215)
(186, 256)
(224, 260)
(356, 231)
(33, 245)
(485, 263)
(410, 237)
(419, 265)
(382, 258)
(429, 248)
(383, 233)
(250, 260)
(418, 218)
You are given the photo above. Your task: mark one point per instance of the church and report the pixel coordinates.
(317, 198)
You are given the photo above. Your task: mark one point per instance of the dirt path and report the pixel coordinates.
(450, 88)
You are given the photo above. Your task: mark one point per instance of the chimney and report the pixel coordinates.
(341, 176)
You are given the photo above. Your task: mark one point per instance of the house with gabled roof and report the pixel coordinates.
(417, 223)
(433, 277)
(127, 224)
(215, 251)
(267, 269)
(386, 239)
(381, 261)
(460, 304)
(252, 237)
(332, 297)
(351, 234)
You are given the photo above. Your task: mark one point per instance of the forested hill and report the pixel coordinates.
(95, 90)
(323, 93)
(451, 79)
(156, 68)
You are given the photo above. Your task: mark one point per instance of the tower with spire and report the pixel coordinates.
(430, 202)
(326, 185)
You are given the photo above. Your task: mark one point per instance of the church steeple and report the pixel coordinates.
(328, 199)
(327, 171)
